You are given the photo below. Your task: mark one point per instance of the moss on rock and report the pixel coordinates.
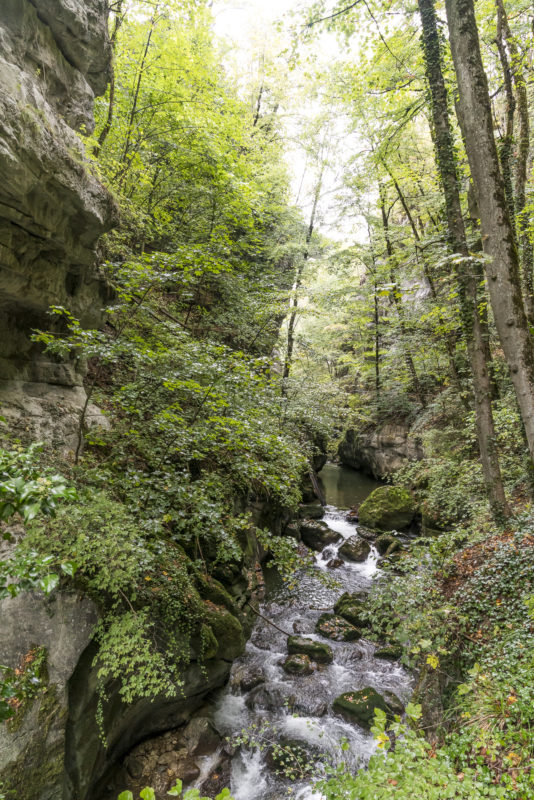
(337, 628)
(317, 651)
(351, 608)
(388, 508)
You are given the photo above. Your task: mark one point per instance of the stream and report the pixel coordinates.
(299, 708)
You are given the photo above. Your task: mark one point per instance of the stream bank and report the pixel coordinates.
(277, 708)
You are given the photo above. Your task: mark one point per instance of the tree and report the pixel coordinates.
(502, 265)
(467, 277)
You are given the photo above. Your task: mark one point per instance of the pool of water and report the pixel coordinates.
(345, 487)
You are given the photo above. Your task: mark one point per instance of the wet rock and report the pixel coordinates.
(311, 510)
(299, 626)
(308, 705)
(381, 451)
(293, 531)
(247, 678)
(388, 508)
(317, 651)
(219, 777)
(360, 706)
(269, 698)
(351, 608)
(367, 534)
(317, 535)
(200, 737)
(389, 652)
(386, 544)
(337, 628)
(298, 664)
(395, 705)
(334, 563)
(355, 549)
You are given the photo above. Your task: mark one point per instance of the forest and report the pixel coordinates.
(267, 400)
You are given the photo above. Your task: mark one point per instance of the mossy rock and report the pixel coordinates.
(317, 535)
(298, 664)
(394, 704)
(311, 511)
(227, 630)
(355, 549)
(388, 508)
(389, 652)
(336, 628)
(317, 651)
(360, 706)
(351, 608)
(386, 544)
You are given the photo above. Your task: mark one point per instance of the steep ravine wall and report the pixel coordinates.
(54, 58)
(381, 451)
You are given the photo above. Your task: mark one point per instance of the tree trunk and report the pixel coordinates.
(398, 302)
(521, 163)
(111, 103)
(502, 267)
(467, 277)
(294, 302)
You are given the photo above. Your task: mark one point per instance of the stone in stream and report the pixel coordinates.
(388, 508)
(311, 511)
(298, 664)
(355, 549)
(386, 544)
(293, 530)
(389, 652)
(351, 608)
(317, 651)
(317, 535)
(337, 628)
(359, 706)
(334, 563)
(247, 677)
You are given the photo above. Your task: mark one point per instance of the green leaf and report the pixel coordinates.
(147, 794)
(176, 790)
(49, 582)
(125, 796)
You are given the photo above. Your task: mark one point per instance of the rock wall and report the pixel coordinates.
(380, 451)
(54, 58)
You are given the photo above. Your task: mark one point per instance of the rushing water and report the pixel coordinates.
(300, 708)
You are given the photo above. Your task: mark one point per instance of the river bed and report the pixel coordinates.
(299, 709)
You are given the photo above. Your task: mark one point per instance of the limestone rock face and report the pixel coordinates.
(380, 451)
(54, 58)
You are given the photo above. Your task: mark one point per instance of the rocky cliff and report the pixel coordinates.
(54, 57)
(380, 451)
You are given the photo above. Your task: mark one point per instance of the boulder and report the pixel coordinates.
(298, 664)
(200, 737)
(317, 535)
(355, 549)
(311, 510)
(359, 706)
(389, 652)
(293, 531)
(337, 628)
(386, 544)
(388, 508)
(393, 703)
(317, 651)
(351, 608)
(247, 677)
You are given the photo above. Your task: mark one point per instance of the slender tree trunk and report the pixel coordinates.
(111, 103)
(294, 301)
(467, 277)
(506, 145)
(521, 163)
(502, 268)
(450, 342)
(133, 110)
(398, 301)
